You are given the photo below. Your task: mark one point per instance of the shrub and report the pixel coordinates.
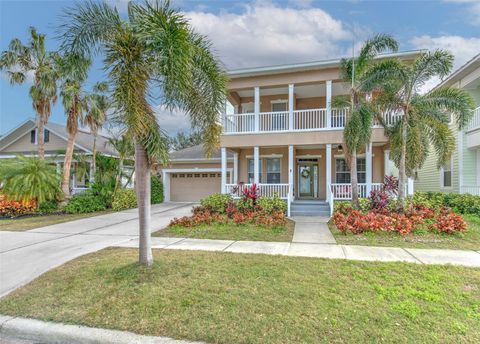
(124, 199)
(216, 203)
(85, 203)
(48, 207)
(460, 203)
(269, 204)
(9, 208)
(156, 190)
(381, 199)
(449, 222)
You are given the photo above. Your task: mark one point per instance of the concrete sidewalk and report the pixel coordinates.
(312, 230)
(352, 252)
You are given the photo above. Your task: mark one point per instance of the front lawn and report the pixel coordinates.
(469, 240)
(233, 298)
(231, 231)
(25, 223)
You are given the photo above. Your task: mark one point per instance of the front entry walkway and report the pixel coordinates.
(312, 230)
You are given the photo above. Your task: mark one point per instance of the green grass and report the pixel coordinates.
(469, 240)
(31, 222)
(231, 232)
(233, 298)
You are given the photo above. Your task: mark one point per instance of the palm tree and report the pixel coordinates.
(73, 70)
(154, 50)
(20, 61)
(98, 105)
(426, 118)
(29, 178)
(358, 126)
(125, 149)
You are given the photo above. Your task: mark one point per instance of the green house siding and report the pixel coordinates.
(469, 165)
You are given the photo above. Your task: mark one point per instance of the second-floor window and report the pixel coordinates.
(342, 171)
(279, 121)
(33, 136)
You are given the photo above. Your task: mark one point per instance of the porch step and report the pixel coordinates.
(309, 208)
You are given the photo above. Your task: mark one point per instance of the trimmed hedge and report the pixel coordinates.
(217, 202)
(85, 203)
(156, 190)
(124, 199)
(460, 203)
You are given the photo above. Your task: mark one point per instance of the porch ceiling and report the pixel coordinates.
(301, 91)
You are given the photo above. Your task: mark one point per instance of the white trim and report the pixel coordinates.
(478, 166)
(442, 176)
(460, 159)
(15, 139)
(199, 160)
(194, 170)
(342, 156)
(256, 164)
(224, 170)
(290, 106)
(265, 156)
(235, 168)
(328, 171)
(309, 156)
(328, 99)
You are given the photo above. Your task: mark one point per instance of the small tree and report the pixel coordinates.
(29, 178)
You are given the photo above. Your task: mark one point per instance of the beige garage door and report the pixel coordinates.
(194, 186)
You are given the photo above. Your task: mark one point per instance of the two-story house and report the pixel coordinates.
(461, 174)
(281, 133)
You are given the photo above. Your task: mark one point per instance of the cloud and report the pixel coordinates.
(461, 47)
(473, 9)
(267, 34)
(171, 121)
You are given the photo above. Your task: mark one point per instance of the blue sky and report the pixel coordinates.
(253, 33)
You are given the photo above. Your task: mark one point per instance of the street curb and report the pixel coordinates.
(57, 333)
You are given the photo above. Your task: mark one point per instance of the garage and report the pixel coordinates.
(192, 186)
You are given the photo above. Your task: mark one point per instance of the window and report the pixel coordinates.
(251, 171)
(273, 171)
(342, 171)
(33, 136)
(446, 175)
(278, 106)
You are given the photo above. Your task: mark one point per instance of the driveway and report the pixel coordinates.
(26, 255)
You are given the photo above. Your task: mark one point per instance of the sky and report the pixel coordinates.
(260, 33)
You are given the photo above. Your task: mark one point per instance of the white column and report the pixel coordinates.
(328, 96)
(90, 173)
(328, 172)
(410, 186)
(224, 169)
(257, 107)
(290, 172)
(460, 160)
(256, 165)
(166, 186)
(386, 162)
(290, 107)
(235, 168)
(368, 159)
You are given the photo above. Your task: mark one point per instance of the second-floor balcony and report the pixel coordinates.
(296, 120)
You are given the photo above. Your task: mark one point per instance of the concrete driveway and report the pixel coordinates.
(26, 255)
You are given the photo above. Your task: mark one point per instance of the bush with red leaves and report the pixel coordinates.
(449, 222)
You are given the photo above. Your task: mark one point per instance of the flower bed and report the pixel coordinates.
(380, 213)
(9, 208)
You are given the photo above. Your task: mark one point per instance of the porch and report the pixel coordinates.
(312, 172)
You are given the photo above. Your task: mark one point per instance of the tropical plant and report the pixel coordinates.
(184, 140)
(156, 194)
(426, 117)
(98, 105)
(153, 50)
(72, 69)
(22, 61)
(124, 199)
(29, 179)
(104, 183)
(85, 203)
(123, 144)
(358, 124)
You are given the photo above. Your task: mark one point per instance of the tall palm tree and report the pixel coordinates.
(73, 70)
(20, 61)
(426, 118)
(358, 126)
(98, 105)
(153, 51)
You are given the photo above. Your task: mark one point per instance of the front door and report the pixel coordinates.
(308, 180)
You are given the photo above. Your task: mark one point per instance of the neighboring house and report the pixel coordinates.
(281, 133)
(462, 173)
(23, 140)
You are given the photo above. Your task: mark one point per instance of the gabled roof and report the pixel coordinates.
(461, 72)
(305, 66)
(195, 153)
(83, 140)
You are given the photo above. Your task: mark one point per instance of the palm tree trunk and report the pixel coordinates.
(142, 187)
(94, 156)
(402, 175)
(40, 137)
(67, 164)
(354, 180)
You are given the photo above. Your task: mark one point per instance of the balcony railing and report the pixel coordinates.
(301, 120)
(472, 190)
(344, 191)
(266, 190)
(475, 121)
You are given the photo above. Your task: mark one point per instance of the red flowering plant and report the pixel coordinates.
(250, 193)
(380, 199)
